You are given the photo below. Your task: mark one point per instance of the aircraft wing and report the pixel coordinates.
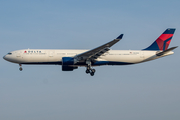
(96, 52)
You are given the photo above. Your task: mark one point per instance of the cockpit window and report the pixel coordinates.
(9, 53)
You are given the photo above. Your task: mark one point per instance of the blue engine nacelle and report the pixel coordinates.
(67, 64)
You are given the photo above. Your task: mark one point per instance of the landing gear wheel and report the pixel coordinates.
(87, 71)
(93, 70)
(92, 73)
(20, 69)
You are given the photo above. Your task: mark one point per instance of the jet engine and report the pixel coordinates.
(67, 64)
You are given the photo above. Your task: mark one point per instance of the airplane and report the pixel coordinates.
(102, 55)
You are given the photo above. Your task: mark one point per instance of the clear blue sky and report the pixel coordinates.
(146, 91)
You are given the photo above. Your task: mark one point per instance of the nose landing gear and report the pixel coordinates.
(20, 67)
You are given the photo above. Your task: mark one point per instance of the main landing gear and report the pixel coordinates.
(91, 71)
(20, 67)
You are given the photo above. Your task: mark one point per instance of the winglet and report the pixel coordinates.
(120, 36)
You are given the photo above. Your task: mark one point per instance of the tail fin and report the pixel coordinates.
(163, 41)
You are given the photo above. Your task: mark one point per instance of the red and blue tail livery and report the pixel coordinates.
(163, 41)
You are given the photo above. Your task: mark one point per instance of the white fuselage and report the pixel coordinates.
(53, 56)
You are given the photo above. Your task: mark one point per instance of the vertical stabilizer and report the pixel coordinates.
(163, 41)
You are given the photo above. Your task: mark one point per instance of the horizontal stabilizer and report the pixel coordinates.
(166, 51)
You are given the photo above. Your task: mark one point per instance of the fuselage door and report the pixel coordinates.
(18, 54)
(142, 54)
(51, 54)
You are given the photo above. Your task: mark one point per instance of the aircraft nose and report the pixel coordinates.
(4, 57)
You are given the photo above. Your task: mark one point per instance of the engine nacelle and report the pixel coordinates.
(68, 68)
(67, 64)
